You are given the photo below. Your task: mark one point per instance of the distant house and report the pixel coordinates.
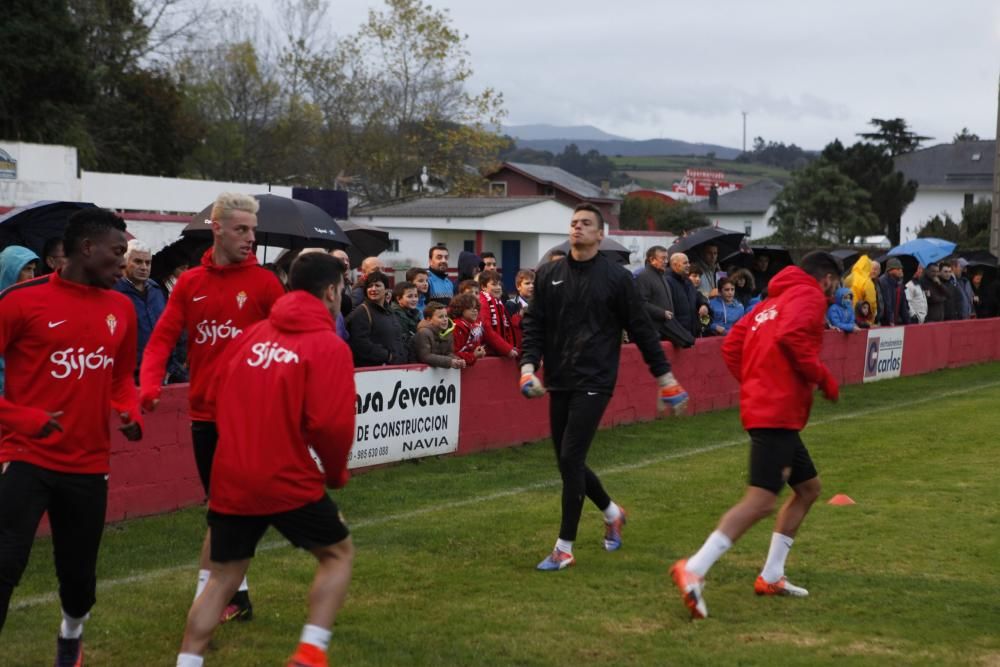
(950, 177)
(748, 210)
(518, 179)
(519, 230)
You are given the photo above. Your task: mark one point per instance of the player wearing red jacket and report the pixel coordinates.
(774, 354)
(214, 303)
(69, 342)
(286, 425)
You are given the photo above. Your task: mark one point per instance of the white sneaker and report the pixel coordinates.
(780, 587)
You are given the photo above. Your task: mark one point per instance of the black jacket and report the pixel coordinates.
(376, 338)
(895, 309)
(685, 298)
(575, 325)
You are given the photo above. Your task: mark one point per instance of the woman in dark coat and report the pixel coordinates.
(376, 339)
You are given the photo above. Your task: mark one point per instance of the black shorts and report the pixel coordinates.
(235, 537)
(778, 457)
(204, 437)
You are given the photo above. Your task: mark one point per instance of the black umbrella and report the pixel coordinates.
(186, 251)
(727, 241)
(32, 225)
(613, 250)
(368, 241)
(778, 258)
(980, 258)
(847, 257)
(282, 223)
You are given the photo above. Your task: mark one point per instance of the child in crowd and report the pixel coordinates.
(725, 309)
(404, 307)
(840, 314)
(419, 277)
(497, 331)
(862, 315)
(524, 282)
(433, 343)
(469, 287)
(468, 334)
(704, 322)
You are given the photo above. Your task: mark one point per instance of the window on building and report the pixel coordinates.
(393, 245)
(549, 191)
(498, 189)
(469, 246)
(969, 200)
(748, 228)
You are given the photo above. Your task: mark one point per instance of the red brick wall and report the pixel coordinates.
(158, 473)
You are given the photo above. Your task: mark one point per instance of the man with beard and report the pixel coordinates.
(440, 286)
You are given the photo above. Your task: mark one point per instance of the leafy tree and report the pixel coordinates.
(873, 170)
(965, 135)
(46, 82)
(894, 136)
(821, 205)
(641, 213)
(776, 154)
(941, 227)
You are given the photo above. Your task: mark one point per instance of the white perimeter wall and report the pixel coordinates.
(43, 172)
(153, 193)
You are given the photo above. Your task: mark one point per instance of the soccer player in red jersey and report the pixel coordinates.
(773, 352)
(286, 425)
(214, 303)
(70, 344)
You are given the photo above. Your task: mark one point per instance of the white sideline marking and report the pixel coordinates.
(107, 584)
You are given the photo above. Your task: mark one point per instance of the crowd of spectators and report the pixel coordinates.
(444, 322)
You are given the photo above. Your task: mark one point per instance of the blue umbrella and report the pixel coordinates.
(927, 251)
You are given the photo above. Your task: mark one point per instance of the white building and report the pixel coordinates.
(950, 177)
(518, 230)
(155, 208)
(748, 210)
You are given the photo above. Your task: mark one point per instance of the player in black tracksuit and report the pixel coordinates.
(581, 305)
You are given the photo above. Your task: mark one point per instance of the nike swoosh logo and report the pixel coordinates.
(558, 282)
(591, 393)
(53, 325)
(199, 298)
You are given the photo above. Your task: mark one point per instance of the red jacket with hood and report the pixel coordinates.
(285, 412)
(774, 353)
(214, 304)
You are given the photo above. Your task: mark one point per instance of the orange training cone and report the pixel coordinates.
(841, 499)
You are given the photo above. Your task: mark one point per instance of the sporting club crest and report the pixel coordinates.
(112, 323)
(241, 299)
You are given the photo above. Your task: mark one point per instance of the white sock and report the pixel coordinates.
(72, 628)
(202, 580)
(317, 636)
(244, 586)
(564, 546)
(612, 512)
(189, 660)
(711, 551)
(774, 567)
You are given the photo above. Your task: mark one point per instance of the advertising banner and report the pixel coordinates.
(884, 358)
(405, 413)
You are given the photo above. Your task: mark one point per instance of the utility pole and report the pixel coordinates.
(995, 219)
(744, 131)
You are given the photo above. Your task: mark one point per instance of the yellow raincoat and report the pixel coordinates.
(861, 285)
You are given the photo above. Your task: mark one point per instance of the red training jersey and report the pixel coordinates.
(214, 304)
(285, 406)
(773, 352)
(68, 348)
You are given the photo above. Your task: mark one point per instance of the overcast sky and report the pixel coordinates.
(805, 71)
